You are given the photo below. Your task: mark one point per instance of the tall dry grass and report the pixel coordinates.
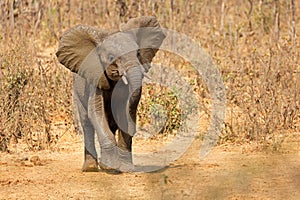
(254, 43)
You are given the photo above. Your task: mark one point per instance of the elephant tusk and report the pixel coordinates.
(145, 73)
(147, 76)
(124, 79)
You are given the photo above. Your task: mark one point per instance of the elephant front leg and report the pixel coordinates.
(90, 155)
(125, 152)
(109, 160)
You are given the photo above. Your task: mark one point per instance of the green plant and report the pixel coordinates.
(159, 107)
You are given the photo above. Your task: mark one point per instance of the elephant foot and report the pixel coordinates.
(90, 164)
(109, 161)
(108, 170)
(127, 167)
(126, 161)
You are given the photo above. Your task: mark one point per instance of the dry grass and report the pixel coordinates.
(254, 43)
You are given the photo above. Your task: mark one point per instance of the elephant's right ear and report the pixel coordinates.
(77, 52)
(148, 35)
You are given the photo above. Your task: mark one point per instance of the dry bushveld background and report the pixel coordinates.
(254, 44)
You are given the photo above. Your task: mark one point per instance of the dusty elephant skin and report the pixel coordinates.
(109, 68)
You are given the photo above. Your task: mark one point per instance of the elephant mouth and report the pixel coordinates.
(144, 74)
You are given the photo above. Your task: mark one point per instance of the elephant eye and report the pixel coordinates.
(138, 54)
(111, 58)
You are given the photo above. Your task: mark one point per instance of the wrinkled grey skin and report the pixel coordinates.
(107, 89)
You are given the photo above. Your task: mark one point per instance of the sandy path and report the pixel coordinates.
(226, 173)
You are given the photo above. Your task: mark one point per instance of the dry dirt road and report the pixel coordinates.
(228, 172)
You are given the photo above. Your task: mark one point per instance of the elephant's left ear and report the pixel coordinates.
(75, 45)
(77, 52)
(149, 36)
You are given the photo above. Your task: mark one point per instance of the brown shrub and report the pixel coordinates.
(253, 42)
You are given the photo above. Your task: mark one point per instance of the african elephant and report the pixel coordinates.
(111, 66)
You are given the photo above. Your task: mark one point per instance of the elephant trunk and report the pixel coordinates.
(134, 76)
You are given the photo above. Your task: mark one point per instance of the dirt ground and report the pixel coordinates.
(228, 172)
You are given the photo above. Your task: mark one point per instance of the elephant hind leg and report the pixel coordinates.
(124, 141)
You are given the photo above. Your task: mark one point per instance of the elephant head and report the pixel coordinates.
(91, 52)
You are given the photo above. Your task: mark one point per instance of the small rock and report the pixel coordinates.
(23, 158)
(36, 160)
(26, 164)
